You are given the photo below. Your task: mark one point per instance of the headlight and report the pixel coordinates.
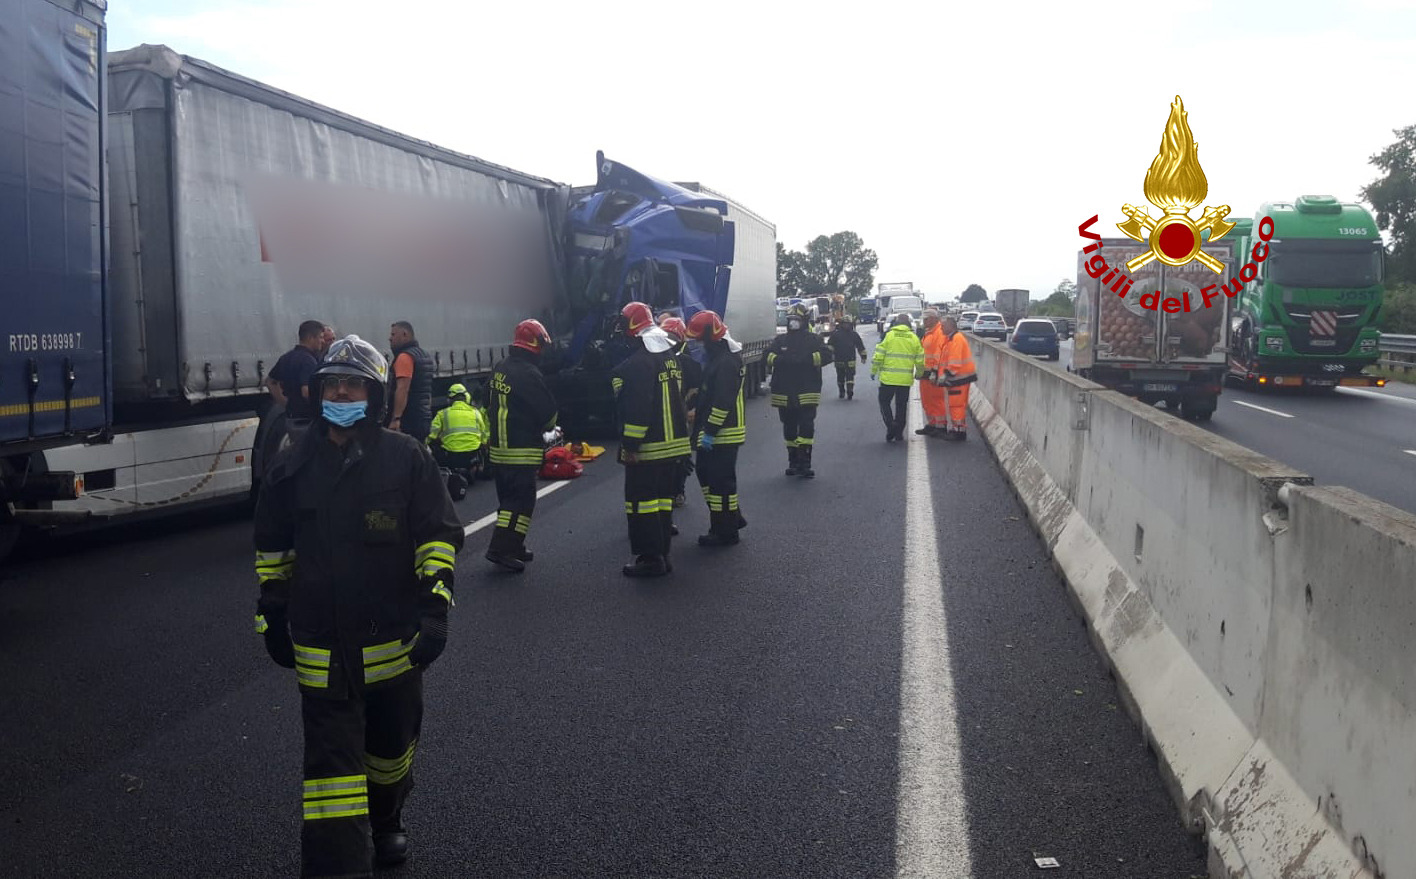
(1369, 344)
(1273, 343)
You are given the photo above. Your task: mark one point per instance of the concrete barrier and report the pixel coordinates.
(1262, 630)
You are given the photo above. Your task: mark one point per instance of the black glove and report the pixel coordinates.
(432, 627)
(277, 638)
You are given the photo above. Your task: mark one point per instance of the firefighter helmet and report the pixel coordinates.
(798, 317)
(706, 325)
(458, 389)
(635, 318)
(674, 326)
(351, 355)
(531, 336)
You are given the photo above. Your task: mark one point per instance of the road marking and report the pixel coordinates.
(491, 518)
(1396, 398)
(1264, 409)
(931, 825)
(1409, 451)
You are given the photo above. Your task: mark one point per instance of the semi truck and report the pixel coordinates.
(237, 211)
(1127, 340)
(1012, 304)
(1308, 317)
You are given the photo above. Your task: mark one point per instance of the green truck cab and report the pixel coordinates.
(1308, 317)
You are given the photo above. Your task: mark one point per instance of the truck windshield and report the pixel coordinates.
(906, 303)
(1304, 265)
(781, 317)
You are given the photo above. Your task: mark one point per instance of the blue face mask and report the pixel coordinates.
(344, 414)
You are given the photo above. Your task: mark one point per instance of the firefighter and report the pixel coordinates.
(521, 410)
(458, 436)
(846, 345)
(654, 440)
(719, 427)
(931, 396)
(795, 358)
(899, 360)
(955, 376)
(410, 389)
(692, 372)
(355, 540)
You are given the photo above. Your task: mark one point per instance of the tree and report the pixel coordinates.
(1393, 196)
(1059, 304)
(1399, 309)
(839, 263)
(789, 273)
(973, 293)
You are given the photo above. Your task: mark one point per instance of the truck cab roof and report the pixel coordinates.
(1319, 216)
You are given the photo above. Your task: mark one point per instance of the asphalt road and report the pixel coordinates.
(884, 676)
(1362, 438)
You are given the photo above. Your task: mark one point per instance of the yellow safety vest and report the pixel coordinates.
(460, 427)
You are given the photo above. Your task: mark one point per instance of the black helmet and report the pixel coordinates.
(800, 314)
(351, 355)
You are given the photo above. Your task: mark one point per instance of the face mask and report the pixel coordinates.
(344, 414)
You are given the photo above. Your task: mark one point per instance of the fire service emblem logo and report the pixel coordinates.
(1176, 183)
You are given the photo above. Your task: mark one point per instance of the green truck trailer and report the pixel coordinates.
(1307, 313)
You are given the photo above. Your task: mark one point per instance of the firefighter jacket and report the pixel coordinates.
(461, 427)
(351, 542)
(958, 361)
(845, 344)
(795, 359)
(692, 377)
(934, 343)
(720, 398)
(649, 402)
(899, 358)
(419, 410)
(521, 409)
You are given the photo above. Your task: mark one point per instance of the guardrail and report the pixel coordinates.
(1398, 352)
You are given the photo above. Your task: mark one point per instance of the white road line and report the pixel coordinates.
(931, 824)
(1264, 409)
(1395, 398)
(491, 518)
(1409, 451)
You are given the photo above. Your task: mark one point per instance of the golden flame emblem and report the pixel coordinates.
(1176, 183)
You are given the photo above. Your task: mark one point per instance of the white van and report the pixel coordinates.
(911, 305)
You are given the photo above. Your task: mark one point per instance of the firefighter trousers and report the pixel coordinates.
(516, 501)
(649, 489)
(798, 425)
(845, 375)
(717, 474)
(358, 773)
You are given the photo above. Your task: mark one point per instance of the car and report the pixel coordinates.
(966, 320)
(990, 325)
(1035, 336)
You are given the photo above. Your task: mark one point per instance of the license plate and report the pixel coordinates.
(1322, 382)
(1160, 386)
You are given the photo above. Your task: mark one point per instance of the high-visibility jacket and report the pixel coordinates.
(899, 358)
(522, 408)
(648, 398)
(958, 358)
(460, 427)
(934, 343)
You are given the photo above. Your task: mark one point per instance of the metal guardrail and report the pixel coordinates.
(1398, 352)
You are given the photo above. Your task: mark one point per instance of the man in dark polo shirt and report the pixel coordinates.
(290, 377)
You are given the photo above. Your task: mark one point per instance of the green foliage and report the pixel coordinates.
(1393, 197)
(973, 293)
(1060, 303)
(839, 263)
(1399, 310)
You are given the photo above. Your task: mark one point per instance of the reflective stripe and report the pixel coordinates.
(816, 358)
(504, 455)
(668, 411)
(385, 661)
(676, 448)
(636, 431)
(390, 770)
(643, 508)
(436, 550)
(316, 788)
(314, 656)
(503, 518)
(731, 436)
(373, 674)
(384, 652)
(715, 503)
(261, 624)
(522, 523)
(805, 441)
(275, 565)
(446, 593)
(616, 383)
(312, 666)
(346, 807)
(501, 426)
(717, 417)
(779, 400)
(732, 502)
(314, 678)
(813, 399)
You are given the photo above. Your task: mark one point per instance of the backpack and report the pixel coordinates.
(559, 463)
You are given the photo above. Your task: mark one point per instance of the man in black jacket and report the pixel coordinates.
(654, 439)
(520, 410)
(720, 428)
(410, 390)
(356, 540)
(795, 358)
(846, 345)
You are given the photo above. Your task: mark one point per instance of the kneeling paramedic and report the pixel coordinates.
(458, 436)
(355, 540)
(654, 438)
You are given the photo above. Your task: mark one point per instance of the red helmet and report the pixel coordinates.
(531, 336)
(706, 325)
(674, 326)
(638, 317)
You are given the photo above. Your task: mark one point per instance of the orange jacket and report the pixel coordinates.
(957, 357)
(934, 345)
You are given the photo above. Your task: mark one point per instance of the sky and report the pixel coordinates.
(964, 143)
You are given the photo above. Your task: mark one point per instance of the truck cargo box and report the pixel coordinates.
(52, 94)
(751, 310)
(243, 210)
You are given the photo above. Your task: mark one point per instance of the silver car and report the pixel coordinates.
(990, 326)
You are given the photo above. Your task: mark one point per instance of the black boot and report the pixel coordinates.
(721, 531)
(840, 392)
(390, 848)
(804, 464)
(850, 390)
(791, 460)
(510, 562)
(647, 566)
(525, 554)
